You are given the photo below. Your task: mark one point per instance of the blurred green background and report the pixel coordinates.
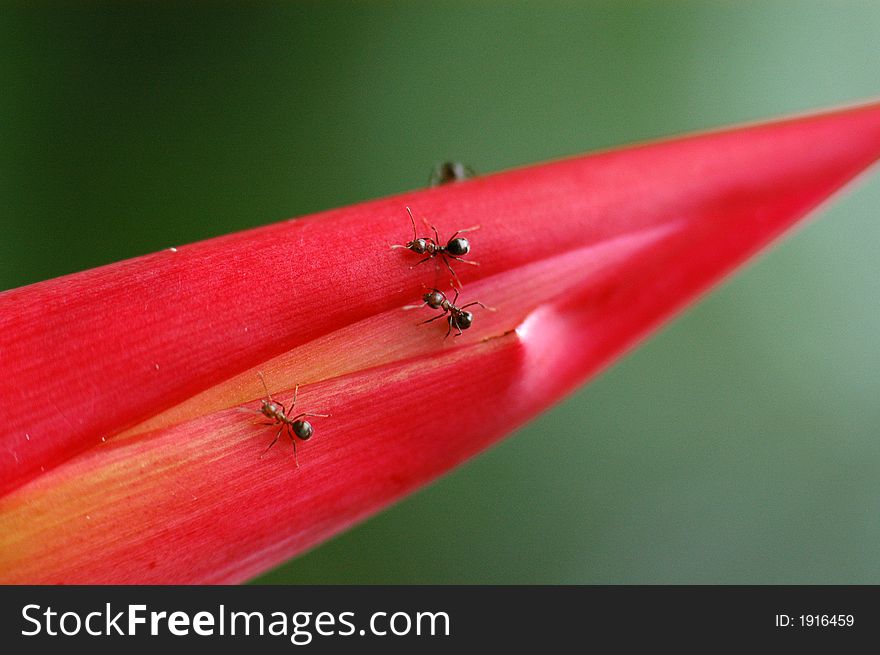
(740, 445)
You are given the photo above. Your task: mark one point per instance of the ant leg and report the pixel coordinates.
(431, 320)
(255, 414)
(295, 393)
(454, 300)
(274, 441)
(464, 261)
(456, 283)
(423, 261)
(448, 331)
(491, 309)
(293, 441)
(299, 416)
(467, 229)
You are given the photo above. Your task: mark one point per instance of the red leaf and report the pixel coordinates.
(581, 258)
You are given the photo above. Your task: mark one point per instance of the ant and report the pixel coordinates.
(455, 248)
(450, 171)
(457, 317)
(278, 415)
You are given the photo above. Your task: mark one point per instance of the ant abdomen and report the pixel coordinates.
(458, 247)
(302, 429)
(462, 320)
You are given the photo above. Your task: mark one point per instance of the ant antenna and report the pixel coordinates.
(263, 380)
(415, 236)
(413, 221)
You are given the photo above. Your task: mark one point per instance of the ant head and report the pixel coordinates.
(458, 246)
(419, 246)
(269, 408)
(434, 298)
(303, 430)
(462, 320)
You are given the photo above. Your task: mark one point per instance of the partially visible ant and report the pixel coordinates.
(278, 415)
(455, 248)
(450, 171)
(457, 317)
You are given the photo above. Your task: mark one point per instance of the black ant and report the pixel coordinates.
(457, 317)
(455, 248)
(278, 415)
(450, 171)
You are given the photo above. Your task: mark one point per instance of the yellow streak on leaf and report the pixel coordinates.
(365, 344)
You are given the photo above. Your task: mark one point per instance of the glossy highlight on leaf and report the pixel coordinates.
(148, 471)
